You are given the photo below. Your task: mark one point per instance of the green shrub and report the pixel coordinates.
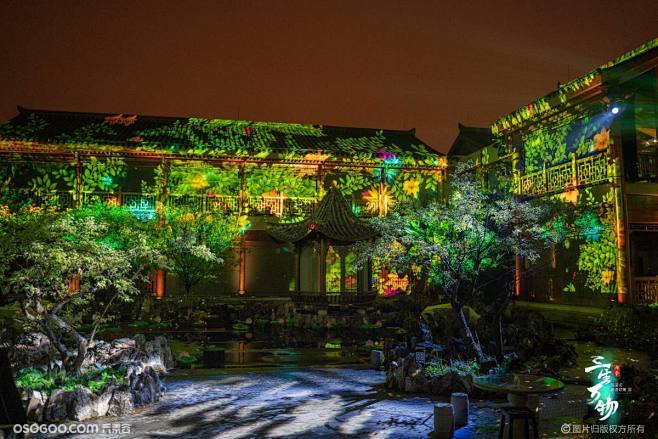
(95, 380)
(439, 368)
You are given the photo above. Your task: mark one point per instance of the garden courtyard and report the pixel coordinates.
(312, 402)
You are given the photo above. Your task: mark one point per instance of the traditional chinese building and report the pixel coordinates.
(261, 172)
(592, 143)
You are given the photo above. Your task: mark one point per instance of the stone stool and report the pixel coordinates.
(518, 414)
(459, 403)
(444, 421)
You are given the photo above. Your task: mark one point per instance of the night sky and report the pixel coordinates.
(378, 64)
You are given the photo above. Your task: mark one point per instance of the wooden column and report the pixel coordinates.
(242, 276)
(368, 272)
(322, 267)
(623, 135)
(343, 270)
(78, 180)
(298, 268)
(163, 181)
(243, 191)
(518, 273)
(158, 283)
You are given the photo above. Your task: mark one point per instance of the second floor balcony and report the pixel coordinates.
(555, 179)
(144, 205)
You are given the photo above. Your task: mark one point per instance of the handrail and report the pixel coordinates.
(645, 289)
(587, 170)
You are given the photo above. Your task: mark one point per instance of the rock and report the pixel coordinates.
(451, 382)
(140, 341)
(57, 406)
(102, 402)
(158, 351)
(145, 385)
(82, 404)
(30, 350)
(36, 401)
(121, 402)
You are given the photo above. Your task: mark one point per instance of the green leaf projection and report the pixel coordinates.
(29, 130)
(195, 178)
(597, 260)
(265, 180)
(96, 175)
(555, 144)
(588, 227)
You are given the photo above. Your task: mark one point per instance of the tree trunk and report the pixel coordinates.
(188, 304)
(475, 345)
(80, 341)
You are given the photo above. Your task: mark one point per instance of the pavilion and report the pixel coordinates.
(322, 240)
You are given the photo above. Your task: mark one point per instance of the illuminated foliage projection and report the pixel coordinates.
(266, 180)
(96, 175)
(591, 227)
(554, 145)
(194, 178)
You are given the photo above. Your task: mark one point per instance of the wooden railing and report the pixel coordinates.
(577, 172)
(647, 166)
(144, 205)
(645, 289)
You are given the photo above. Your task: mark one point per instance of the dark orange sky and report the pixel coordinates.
(377, 64)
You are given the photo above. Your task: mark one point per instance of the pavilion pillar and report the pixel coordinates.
(343, 271)
(298, 269)
(242, 275)
(322, 267)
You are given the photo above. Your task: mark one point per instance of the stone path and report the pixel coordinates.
(319, 402)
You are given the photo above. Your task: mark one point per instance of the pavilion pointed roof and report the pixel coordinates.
(333, 219)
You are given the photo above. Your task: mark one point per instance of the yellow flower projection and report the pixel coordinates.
(318, 156)
(244, 224)
(607, 276)
(570, 196)
(379, 200)
(601, 140)
(188, 217)
(5, 212)
(199, 182)
(411, 187)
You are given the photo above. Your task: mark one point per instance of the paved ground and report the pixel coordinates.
(306, 403)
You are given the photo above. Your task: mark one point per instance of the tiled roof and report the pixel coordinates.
(469, 140)
(333, 219)
(214, 137)
(556, 98)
